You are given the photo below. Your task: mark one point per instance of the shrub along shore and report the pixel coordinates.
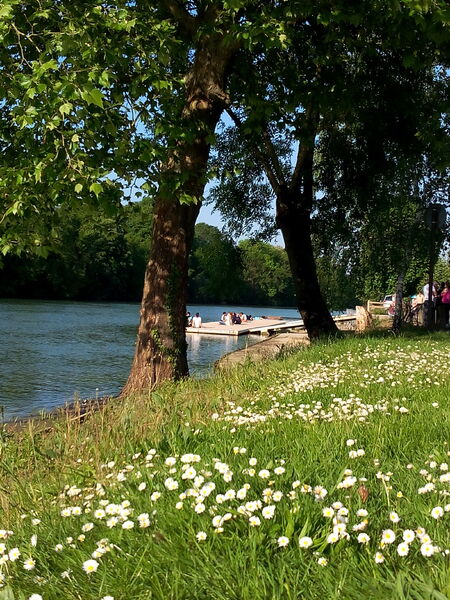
(322, 474)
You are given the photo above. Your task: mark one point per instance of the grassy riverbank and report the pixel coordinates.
(320, 475)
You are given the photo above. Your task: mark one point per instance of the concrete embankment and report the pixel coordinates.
(268, 348)
(275, 344)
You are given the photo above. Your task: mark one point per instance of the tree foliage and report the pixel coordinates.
(93, 99)
(360, 85)
(215, 274)
(379, 171)
(96, 257)
(266, 274)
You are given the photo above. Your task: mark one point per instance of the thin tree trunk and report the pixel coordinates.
(407, 253)
(294, 219)
(294, 202)
(161, 342)
(398, 308)
(294, 222)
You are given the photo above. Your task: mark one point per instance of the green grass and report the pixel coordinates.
(295, 417)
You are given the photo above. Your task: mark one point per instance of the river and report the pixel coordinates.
(53, 352)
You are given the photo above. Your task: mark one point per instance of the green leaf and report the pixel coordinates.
(50, 64)
(96, 97)
(38, 173)
(164, 57)
(187, 199)
(97, 188)
(78, 188)
(65, 108)
(110, 128)
(104, 78)
(5, 11)
(6, 594)
(15, 208)
(305, 528)
(30, 93)
(290, 525)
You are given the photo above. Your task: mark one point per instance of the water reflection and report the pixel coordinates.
(204, 350)
(193, 342)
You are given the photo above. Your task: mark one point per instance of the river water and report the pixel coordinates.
(53, 352)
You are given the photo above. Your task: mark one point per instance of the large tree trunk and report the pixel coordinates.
(294, 219)
(161, 342)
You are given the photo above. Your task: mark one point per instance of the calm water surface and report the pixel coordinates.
(52, 352)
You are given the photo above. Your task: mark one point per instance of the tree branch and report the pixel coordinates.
(268, 145)
(312, 119)
(271, 174)
(186, 21)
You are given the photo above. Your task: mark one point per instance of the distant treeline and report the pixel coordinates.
(98, 257)
(102, 257)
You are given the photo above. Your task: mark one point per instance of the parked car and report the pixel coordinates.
(388, 301)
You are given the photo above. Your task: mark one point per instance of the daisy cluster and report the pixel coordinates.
(212, 500)
(391, 367)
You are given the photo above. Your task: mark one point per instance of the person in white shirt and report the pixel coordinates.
(197, 321)
(433, 292)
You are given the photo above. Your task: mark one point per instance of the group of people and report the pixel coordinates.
(232, 318)
(440, 296)
(227, 318)
(195, 321)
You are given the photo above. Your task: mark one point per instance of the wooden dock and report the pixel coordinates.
(267, 326)
(258, 326)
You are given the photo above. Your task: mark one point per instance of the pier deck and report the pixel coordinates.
(265, 326)
(259, 326)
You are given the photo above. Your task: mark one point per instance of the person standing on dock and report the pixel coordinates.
(197, 321)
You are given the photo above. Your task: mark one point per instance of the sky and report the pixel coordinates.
(209, 217)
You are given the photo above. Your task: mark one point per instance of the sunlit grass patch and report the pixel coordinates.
(342, 487)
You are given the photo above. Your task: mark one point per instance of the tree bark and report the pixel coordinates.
(293, 217)
(398, 308)
(294, 221)
(160, 352)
